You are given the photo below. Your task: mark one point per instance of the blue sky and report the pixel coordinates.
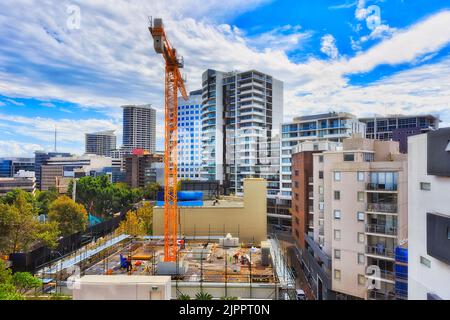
(73, 72)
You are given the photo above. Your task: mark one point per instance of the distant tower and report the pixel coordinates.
(139, 127)
(100, 143)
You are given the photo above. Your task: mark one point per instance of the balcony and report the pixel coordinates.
(377, 187)
(381, 229)
(311, 194)
(380, 295)
(310, 180)
(382, 207)
(386, 275)
(321, 215)
(311, 209)
(381, 251)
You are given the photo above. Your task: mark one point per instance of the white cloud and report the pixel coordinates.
(328, 46)
(47, 104)
(14, 102)
(17, 149)
(110, 61)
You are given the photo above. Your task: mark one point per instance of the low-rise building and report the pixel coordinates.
(243, 217)
(22, 183)
(141, 168)
(429, 216)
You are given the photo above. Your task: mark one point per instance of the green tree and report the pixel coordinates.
(21, 224)
(8, 290)
(12, 196)
(71, 217)
(44, 199)
(24, 282)
(139, 222)
(151, 190)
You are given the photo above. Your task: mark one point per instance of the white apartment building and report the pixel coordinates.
(241, 119)
(190, 136)
(139, 127)
(429, 216)
(359, 218)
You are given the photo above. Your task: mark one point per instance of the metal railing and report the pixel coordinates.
(382, 207)
(381, 187)
(310, 180)
(380, 251)
(380, 295)
(311, 194)
(381, 229)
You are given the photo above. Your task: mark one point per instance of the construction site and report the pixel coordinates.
(220, 266)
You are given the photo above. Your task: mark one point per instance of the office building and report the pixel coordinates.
(399, 127)
(302, 187)
(359, 218)
(139, 127)
(71, 167)
(10, 166)
(241, 119)
(100, 143)
(332, 127)
(429, 216)
(139, 168)
(190, 136)
(40, 158)
(22, 183)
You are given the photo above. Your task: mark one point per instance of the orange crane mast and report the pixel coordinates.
(173, 83)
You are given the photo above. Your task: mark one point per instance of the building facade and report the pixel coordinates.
(332, 127)
(359, 219)
(41, 158)
(70, 167)
(302, 187)
(241, 119)
(139, 127)
(190, 136)
(100, 143)
(10, 184)
(139, 169)
(429, 216)
(10, 166)
(399, 127)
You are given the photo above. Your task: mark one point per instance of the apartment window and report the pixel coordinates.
(337, 274)
(337, 234)
(360, 216)
(337, 176)
(296, 210)
(337, 254)
(296, 173)
(320, 190)
(297, 185)
(337, 214)
(349, 157)
(320, 174)
(361, 279)
(425, 262)
(321, 206)
(337, 195)
(320, 159)
(426, 186)
(360, 237)
(361, 258)
(360, 196)
(360, 176)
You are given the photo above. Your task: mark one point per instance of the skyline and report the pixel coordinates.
(77, 78)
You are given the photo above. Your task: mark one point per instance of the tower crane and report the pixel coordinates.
(173, 83)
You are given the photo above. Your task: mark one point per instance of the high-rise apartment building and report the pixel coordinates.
(100, 143)
(139, 127)
(359, 219)
(399, 127)
(241, 119)
(429, 216)
(332, 127)
(190, 136)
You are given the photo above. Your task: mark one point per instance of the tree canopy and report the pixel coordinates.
(69, 216)
(139, 222)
